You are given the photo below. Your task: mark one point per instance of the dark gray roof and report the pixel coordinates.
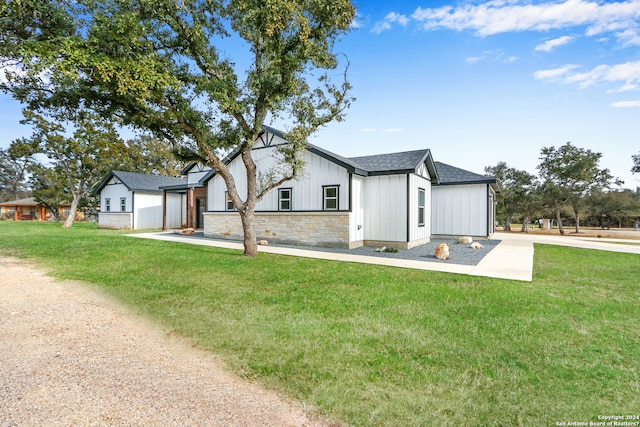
(450, 175)
(140, 181)
(348, 164)
(406, 161)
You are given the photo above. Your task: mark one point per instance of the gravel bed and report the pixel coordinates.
(459, 253)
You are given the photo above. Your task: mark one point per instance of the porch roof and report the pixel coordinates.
(451, 175)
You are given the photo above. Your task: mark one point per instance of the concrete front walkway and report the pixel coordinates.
(511, 259)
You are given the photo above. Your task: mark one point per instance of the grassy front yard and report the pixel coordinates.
(381, 346)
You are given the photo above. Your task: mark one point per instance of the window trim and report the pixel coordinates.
(123, 204)
(289, 199)
(325, 198)
(107, 204)
(422, 208)
(228, 203)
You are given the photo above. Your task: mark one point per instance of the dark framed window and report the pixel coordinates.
(284, 199)
(330, 197)
(228, 202)
(421, 206)
(107, 205)
(123, 204)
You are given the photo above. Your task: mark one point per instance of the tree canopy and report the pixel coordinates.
(164, 66)
(569, 174)
(13, 176)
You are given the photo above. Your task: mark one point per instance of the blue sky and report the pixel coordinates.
(484, 81)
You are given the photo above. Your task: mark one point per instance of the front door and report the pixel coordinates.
(200, 213)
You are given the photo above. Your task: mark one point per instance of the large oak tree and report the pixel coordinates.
(569, 174)
(205, 74)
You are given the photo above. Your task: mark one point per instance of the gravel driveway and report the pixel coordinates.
(70, 356)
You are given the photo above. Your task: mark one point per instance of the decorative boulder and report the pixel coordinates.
(263, 242)
(476, 245)
(187, 231)
(442, 251)
(465, 239)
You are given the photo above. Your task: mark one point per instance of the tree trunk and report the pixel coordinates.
(577, 222)
(250, 240)
(72, 212)
(559, 219)
(525, 225)
(507, 223)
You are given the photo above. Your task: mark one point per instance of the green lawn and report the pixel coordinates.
(381, 346)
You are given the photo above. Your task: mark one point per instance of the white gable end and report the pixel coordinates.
(306, 192)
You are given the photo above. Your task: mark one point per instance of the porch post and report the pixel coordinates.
(190, 208)
(164, 210)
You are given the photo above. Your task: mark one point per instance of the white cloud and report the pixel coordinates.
(627, 74)
(511, 59)
(357, 22)
(626, 104)
(499, 16)
(389, 20)
(625, 88)
(393, 130)
(554, 73)
(473, 59)
(629, 37)
(549, 45)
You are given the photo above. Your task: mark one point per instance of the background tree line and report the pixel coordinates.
(570, 185)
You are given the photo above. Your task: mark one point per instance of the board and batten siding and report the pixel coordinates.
(419, 233)
(459, 210)
(385, 208)
(175, 212)
(356, 216)
(147, 210)
(306, 192)
(194, 177)
(115, 218)
(115, 191)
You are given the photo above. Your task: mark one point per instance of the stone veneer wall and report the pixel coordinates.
(324, 229)
(117, 220)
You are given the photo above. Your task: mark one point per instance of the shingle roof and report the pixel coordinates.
(29, 201)
(452, 175)
(140, 181)
(392, 162)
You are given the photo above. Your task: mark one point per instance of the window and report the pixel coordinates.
(228, 203)
(330, 202)
(123, 204)
(284, 199)
(107, 205)
(421, 200)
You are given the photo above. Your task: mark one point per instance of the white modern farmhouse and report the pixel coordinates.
(399, 200)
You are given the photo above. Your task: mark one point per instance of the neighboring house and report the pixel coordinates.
(135, 201)
(463, 203)
(340, 202)
(29, 209)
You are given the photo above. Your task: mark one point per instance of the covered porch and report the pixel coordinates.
(183, 206)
